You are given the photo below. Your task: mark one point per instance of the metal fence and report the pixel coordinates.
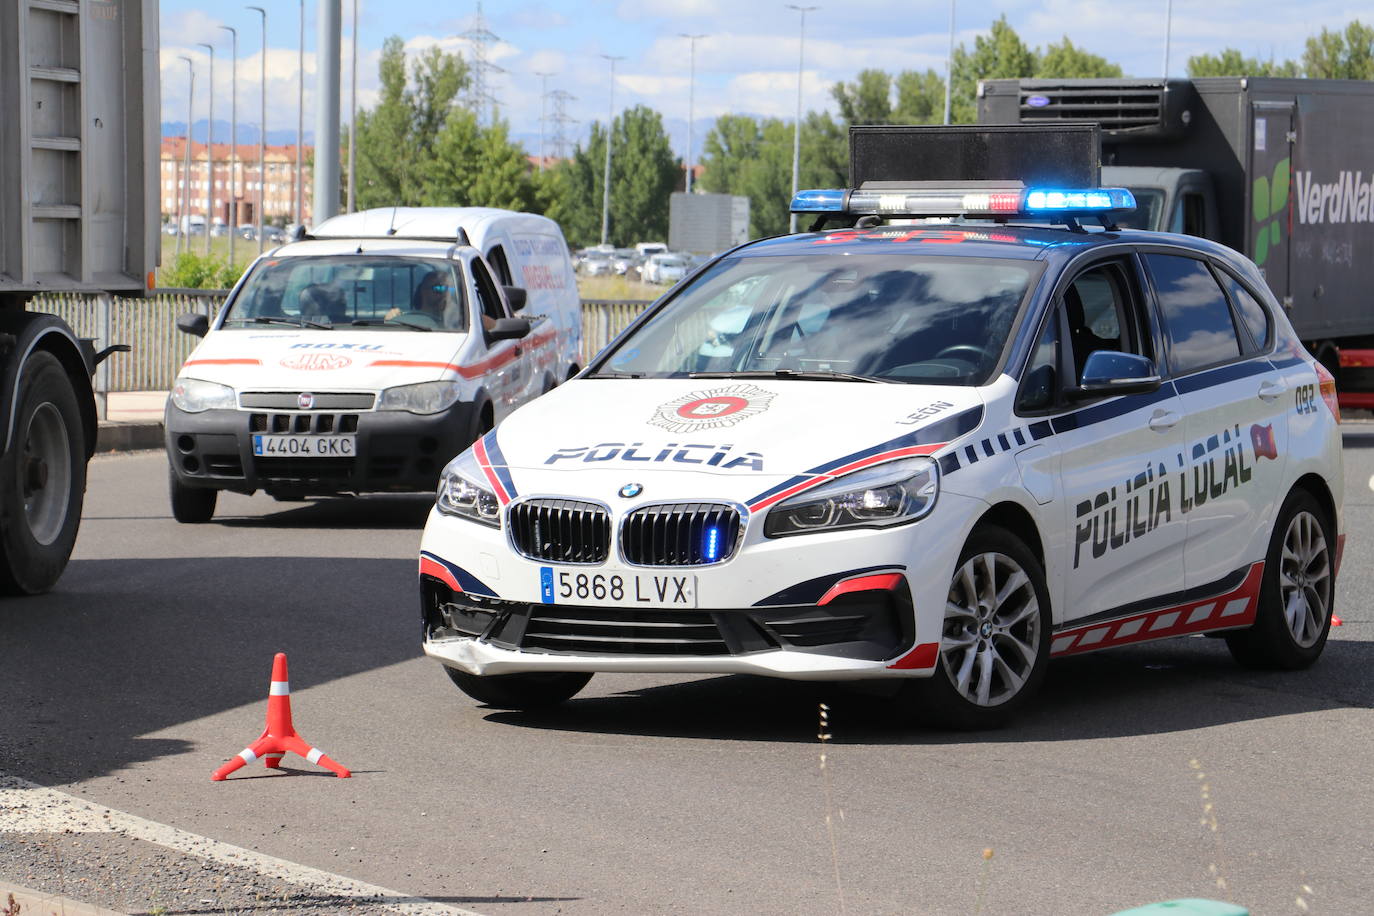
(149, 326)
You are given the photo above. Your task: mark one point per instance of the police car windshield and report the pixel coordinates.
(891, 317)
(352, 291)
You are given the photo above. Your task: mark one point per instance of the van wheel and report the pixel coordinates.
(531, 690)
(1294, 614)
(191, 505)
(995, 645)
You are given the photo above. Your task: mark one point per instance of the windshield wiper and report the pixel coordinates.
(387, 322)
(302, 323)
(816, 375)
(616, 375)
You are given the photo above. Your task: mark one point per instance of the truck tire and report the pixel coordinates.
(42, 479)
(190, 505)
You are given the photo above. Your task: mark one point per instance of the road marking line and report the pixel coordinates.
(27, 807)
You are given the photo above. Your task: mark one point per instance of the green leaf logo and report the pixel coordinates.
(1268, 200)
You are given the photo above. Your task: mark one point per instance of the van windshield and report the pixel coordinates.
(880, 317)
(355, 291)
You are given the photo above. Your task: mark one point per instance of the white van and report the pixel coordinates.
(366, 355)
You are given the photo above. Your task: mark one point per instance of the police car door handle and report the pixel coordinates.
(1271, 390)
(1163, 420)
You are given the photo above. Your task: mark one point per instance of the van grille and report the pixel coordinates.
(299, 423)
(680, 534)
(290, 400)
(561, 530)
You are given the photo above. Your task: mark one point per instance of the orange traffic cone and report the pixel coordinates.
(279, 736)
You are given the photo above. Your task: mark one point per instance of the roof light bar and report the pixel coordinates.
(956, 201)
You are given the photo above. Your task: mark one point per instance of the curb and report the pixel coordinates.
(115, 436)
(32, 903)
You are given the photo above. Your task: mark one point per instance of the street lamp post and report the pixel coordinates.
(691, 98)
(353, 114)
(796, 128)
(210, 152)
(185, 222)
(949, 62)
(233, 140)
(1168, 28)
(262, 132)
(610, 132)
(300, 123)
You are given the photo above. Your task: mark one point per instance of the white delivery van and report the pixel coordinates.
(364, 356)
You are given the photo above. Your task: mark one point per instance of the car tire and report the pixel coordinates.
(1293, 619)
(531, 690)
(44, 474)
(191, 505)
(995, 644)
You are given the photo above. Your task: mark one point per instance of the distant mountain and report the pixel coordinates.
(247, 133)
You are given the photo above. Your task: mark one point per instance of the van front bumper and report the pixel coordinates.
(395, 451)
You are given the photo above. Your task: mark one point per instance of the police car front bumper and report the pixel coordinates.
(393, 451)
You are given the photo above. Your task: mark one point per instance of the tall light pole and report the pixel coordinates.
(1168, 28)
(328, 35)
(796, 128)
(353, 114)
(543, 111)
(691, 98)
(233, 141)
(185, 226)
(300, 123)
(262, 133)
(949, 61)
(210, 153)
(610, 133)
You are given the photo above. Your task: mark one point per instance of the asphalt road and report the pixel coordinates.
(147, 668)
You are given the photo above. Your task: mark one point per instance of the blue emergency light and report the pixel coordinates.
(712, 544)
(1002, 203)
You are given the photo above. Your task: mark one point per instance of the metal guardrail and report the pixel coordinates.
(149, 326)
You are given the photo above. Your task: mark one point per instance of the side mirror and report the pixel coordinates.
(515, 295)
(509, 329)
(193, 323)
(1108, 372)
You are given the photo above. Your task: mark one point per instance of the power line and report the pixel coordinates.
(481, 99)
(560, 119)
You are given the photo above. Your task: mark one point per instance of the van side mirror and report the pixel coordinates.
(193, 323)
(516, 296)
(509, 329)
(1109, 372)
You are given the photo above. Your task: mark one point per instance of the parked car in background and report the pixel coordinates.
(645, 249)
(596, 264)
(247, 231)
(626, 262)
(665, 268)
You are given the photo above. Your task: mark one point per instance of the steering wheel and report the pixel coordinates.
(969, 353)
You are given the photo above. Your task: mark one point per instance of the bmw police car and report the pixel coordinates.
(944, 453)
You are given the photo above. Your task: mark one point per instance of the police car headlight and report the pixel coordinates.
(426, 397)
(194, 395)
(890, 494)
(462, 493)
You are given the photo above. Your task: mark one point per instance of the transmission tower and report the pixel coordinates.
(481, 99)
(560, 119)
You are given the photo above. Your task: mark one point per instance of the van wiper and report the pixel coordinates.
(616, 375)
(387, 323)
(816, 375)
(291, 323)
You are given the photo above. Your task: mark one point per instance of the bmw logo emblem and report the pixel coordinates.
(631, 490)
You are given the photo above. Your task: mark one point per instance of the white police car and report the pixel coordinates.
(941, 453)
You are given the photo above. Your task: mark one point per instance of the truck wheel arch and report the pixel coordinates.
(31, 332)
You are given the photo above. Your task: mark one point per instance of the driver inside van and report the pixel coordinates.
(436, 298)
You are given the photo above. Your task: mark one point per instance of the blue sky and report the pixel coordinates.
(746, 64)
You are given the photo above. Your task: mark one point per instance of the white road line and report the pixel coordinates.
(26, 807)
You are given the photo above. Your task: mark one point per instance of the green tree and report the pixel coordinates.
(396, 139)
(920, 98)
(1067, 61)
(1231, 62)
(867, 100)
(1000, 54)
(1347, 55)
(472, 167)
(644, 173)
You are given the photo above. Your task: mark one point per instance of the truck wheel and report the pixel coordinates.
(191, 505)
(995, 644)
(531, 690)
(42, 480)
(1294, 615)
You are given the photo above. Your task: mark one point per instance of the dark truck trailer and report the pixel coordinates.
(1280, 169)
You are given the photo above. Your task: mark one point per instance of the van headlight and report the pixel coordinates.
(195, 395)
(426, 397)
(463, 493)
(889, 494)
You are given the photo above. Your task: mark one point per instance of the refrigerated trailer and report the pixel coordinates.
(79, 107)
(1280, 169)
